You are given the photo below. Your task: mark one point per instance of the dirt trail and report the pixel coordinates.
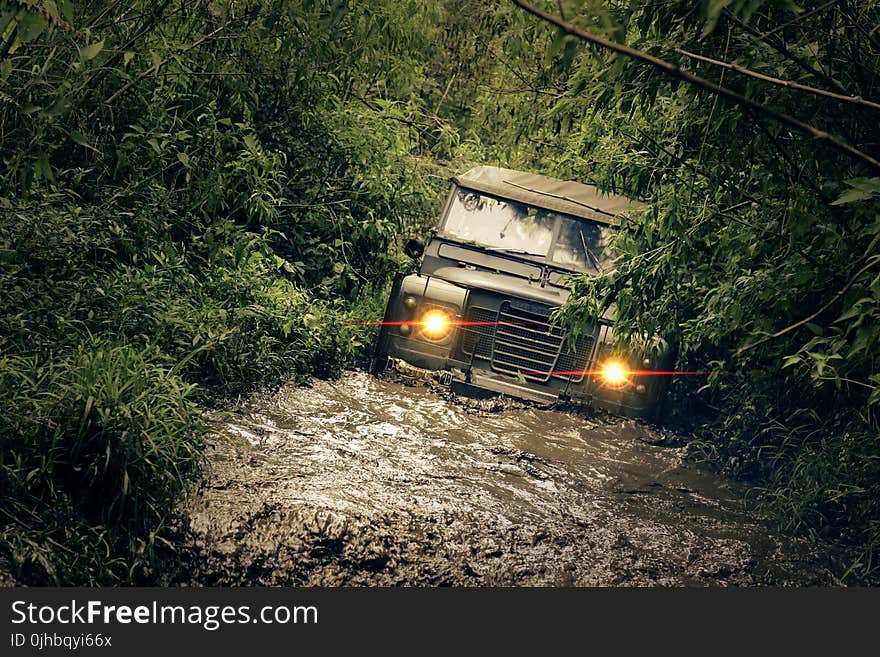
(367, 482)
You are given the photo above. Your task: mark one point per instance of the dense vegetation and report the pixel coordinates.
(758, 257)
(196, 196)
(190, 210)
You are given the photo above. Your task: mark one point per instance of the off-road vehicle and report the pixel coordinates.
(477, 315)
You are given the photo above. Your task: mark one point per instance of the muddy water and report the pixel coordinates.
(367, 482)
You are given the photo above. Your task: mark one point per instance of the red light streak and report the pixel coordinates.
(452, 322)
(596, 373)
(628, 373)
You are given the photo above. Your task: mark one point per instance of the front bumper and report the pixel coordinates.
(473, 383)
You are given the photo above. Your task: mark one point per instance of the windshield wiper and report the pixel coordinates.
(504, 249)
(589, 253)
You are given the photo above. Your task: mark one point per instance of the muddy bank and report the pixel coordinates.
(367, 482)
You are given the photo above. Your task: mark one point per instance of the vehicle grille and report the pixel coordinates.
(478, 336)
(576, 359)
(523, 342)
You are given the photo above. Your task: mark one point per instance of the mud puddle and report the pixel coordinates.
(367, 482)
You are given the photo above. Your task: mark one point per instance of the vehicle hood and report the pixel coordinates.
(505, 284)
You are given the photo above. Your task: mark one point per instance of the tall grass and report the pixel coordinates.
(814, 468)
(193, 198)
(108, 356)
(98, 444)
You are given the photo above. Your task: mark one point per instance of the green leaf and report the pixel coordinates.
(861, 189)
(30, 26)
(61, 105)
(852, 195)
(80, 139)
(91, 51)
(854, 310)
(43, 169)
(578, 86)
(557, 44)
(51, 10)
(127, 57)
(7, 22)
(864, 339)
(568, 54)
(184, 159)
(713, 13)
(250, 142)
(67, 10)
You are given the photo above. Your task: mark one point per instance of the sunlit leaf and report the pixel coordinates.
(67, 10)
(91, 51)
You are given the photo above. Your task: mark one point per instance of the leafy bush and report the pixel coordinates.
(193, 203)
(106, 437)
(757, 255)
(106, 364)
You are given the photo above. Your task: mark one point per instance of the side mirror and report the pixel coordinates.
(414, 249)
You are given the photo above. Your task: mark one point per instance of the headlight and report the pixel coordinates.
(436, 324)
(614, 373)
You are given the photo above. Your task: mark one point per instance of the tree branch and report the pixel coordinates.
(873, 261)
(674, 71)
(799, 18)
(156, 67)
(858, 100)
(785, 52)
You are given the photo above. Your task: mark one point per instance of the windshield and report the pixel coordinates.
(504, 225)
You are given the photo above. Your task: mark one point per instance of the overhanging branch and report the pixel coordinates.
(674, 71)
(857, 100)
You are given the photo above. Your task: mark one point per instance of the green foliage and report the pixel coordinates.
(200, 199)
(756, 256)
(101, 441)
(197, 200)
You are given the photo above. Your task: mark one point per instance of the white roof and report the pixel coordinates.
(565, 196)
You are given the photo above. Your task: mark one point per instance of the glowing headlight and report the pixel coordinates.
(614, 372)
(436, 324)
